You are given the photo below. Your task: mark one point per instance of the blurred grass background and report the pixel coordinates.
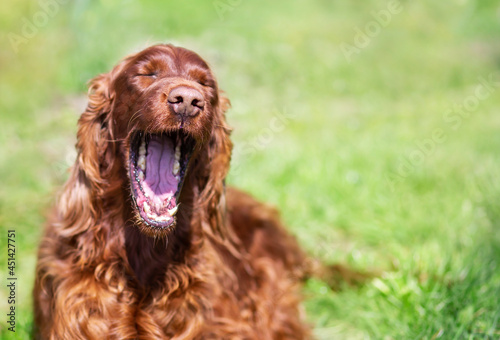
(334, 142)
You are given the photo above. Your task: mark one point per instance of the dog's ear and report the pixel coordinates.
(76, 207)
(95, 135)
(214, 168)
(218, 151)
(94, 127)
(95, 149)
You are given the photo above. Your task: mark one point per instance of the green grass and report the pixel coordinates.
(344, 165)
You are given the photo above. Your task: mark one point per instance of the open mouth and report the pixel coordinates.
(158, 166)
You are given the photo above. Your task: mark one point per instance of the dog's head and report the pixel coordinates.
(157, 122)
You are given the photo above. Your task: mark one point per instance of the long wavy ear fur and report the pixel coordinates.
(82, 217)
(93, 127)
(86, 185)
(219, 152)
(214, 169)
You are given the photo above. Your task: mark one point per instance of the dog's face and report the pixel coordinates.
(164, 109)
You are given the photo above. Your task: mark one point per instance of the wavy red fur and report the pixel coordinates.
(226, 269)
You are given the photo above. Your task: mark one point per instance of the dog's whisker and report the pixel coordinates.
(120, 140)
(133, 117)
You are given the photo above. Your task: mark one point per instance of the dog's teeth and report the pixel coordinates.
(142, 149)
(172, 211)
(176, 167)
(162, 218)
(178, 152)
(140, 174)
(147, 208)
(141, 162)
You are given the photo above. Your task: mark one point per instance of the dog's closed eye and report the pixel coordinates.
(152, 74)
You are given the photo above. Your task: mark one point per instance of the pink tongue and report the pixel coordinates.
(160, 183)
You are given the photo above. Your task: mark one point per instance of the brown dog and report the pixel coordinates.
(145, 241)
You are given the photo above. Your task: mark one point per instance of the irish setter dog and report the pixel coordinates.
(146, 241)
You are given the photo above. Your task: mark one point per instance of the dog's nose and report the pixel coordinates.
(186, 101)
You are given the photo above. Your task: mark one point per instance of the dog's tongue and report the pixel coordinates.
(160, 183)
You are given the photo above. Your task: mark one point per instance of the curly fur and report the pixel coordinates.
(228, 270)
